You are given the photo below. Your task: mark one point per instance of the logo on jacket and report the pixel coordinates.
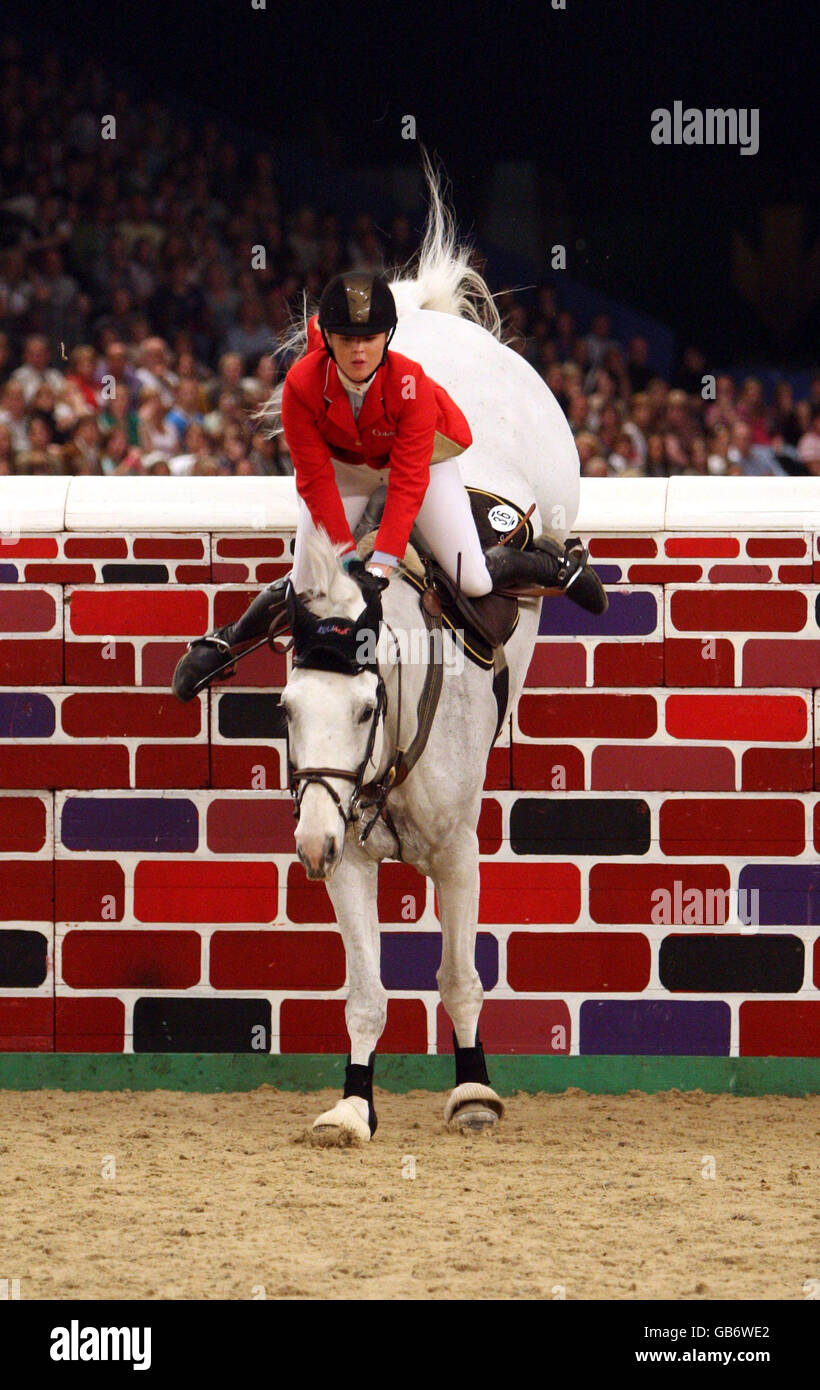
(384, 433)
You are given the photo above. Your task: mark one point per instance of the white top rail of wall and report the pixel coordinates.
(608, 505)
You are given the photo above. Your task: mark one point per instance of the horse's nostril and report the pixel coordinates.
(330, 847)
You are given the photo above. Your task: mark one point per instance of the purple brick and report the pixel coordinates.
(629, 615)
(608, 574)
(24, 714)
(654, 1027)
(130, 823)
(788, 894)
(410, 959)
(8, 574)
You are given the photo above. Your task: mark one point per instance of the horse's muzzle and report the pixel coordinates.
(320, 855)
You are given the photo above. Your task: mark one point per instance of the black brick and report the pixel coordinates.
(732, 964)
(201, 1025)
(569, 826)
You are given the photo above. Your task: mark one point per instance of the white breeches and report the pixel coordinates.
(445, 521)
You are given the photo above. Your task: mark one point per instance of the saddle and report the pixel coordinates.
(478, 625)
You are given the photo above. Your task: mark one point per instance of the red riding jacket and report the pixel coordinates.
(406, 422)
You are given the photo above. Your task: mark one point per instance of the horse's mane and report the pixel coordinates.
(441, 277)
(336, 594)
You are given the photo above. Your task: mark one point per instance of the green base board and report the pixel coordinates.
(87, 1071)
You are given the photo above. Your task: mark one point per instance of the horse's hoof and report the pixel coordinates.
(340, 1127)
(473, 1118)
(474, 1107)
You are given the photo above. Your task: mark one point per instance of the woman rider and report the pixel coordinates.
(354, 416)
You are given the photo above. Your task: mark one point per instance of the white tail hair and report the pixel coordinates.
(440, 277)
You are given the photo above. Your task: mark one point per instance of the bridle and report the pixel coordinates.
(301, 778)
(373, 795)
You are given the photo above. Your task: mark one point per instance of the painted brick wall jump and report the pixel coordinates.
(650, 875)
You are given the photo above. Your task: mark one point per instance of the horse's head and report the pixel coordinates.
(333, 704)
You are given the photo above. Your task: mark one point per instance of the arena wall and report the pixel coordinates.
(662, 764)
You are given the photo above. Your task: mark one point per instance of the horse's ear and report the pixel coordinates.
(302, 621)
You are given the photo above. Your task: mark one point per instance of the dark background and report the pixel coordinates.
(572, 91)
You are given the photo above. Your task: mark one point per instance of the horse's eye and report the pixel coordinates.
(367, 713)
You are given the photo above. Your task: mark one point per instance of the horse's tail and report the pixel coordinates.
(442, 276)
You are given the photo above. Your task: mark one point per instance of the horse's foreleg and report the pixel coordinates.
(473, 1104)
(352, 891)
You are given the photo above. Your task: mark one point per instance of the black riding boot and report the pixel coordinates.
(548, 566)
(206, 654)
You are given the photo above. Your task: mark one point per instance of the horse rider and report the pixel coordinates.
(356, 415)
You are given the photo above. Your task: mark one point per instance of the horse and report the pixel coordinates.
(343, 724)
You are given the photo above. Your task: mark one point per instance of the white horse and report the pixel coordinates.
(523, 449)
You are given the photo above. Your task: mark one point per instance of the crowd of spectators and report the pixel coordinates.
(141, 328)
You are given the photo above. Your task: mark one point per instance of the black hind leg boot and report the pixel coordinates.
(206, 654)
(549, 565)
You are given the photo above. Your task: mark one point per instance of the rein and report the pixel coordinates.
(373, 795)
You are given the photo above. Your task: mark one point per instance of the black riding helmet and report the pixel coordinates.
(358, 305)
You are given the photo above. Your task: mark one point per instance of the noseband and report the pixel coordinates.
(301, 778)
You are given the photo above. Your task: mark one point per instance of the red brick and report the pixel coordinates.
(590, 715)
(628, 663)
(26, 890)
(795, 574)
(267, 573)
(31, 661)
(233, 765)
(131, 959)
(736, 825)
(687, 661)
(159, 661)
(816, 821)
(777, 770)
(537, 767)
(192, 574)
(27, 610)
(89, 1025)
(277, 960)
(42, 546)
(60, 574)
(490, 827)
(203, 891)
(168, 548)
(576, 962)
(130, 713)
(683, 546)
(738, 610)
(616, 767)
(782, 718)
(250, 825)
(557, 663)
(781, 663)
(664, 574)
(739, 574)
(230, 604)
(56, 765)
(95, 548)
(141, 612)
(318, 1025)
(779, 1028)
(233, 547)
(609, 547)
(86, 665)
(23, 823)
(261, 670)
(229, 574)
(515, 1025)
(27, 1025)
(307, 900)
(772, 547)
(172, 765)
(622, 893)
(400, 888)
(498, 776)
(520, 893)
(81, 884)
